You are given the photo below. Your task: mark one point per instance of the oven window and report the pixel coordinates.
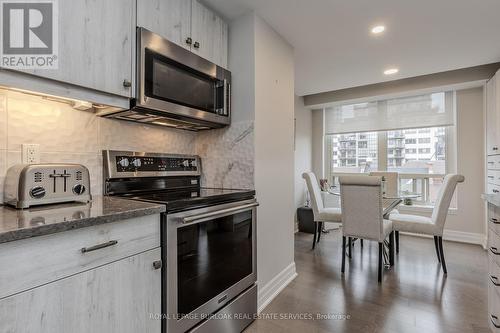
(211, 257)
(170, 81)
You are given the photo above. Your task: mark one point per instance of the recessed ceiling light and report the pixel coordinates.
(391, 71)
(378, 29)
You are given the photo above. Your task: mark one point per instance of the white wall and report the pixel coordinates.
(303, 149)
(470, 163)
(318, 143)
(273, 98)
(274, 156)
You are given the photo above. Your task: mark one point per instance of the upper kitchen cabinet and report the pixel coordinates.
(95, 45)
(169, 18)
(187, 23)
(209, 33)
(493, 115)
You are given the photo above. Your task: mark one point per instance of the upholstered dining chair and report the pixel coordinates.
(362, 215)
(433, 225)
(320, 213)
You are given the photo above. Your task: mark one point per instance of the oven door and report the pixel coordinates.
(180, 83)
(211, 259)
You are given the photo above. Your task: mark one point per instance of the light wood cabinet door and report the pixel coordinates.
(95, 45)
(209, 33)
(492, 117)
(170, 19)
(117, 297)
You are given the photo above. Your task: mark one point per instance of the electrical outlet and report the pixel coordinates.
(31, 153)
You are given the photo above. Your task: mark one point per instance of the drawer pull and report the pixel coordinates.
(494, 280)
(494, 250)
(494, 220)
(158, 264)
(98, 246)
(495, 191)
(491, 177)
(491, 162)
(494, 320)
(495, 148)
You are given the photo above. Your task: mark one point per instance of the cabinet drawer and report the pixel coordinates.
(493, 189)
(39, 260)
(494, 218)
(494, 247)
(493, 177)
(493, 308)
(493, 162)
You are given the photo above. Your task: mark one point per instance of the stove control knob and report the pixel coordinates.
(37, 192)
(137, 163)
(79, 189)
(185, 163)
(124, 162)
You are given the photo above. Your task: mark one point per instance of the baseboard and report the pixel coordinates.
(268, 292)
(458, 236)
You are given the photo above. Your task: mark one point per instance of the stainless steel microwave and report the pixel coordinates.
(177, 88)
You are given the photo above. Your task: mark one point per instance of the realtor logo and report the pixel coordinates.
(29, 34)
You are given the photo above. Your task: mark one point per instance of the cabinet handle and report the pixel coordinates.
(494, 250)
(491, 177)
(495, 148)
(127, 83)
(495, 191)
(189, 41)
(491, 162)
(196, 45)
(99, 246)
(494, 220)
(157, 264)
(494, 280)
(494, 319)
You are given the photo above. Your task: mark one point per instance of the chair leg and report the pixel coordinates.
(343, 254)
(391, 248)
(380, 263)
(436, 245)
(320, 227)
(396, 233)
(315, 232)
(361, 241)
(350, 247)
(443, 263)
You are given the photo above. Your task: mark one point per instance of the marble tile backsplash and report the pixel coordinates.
(69, 135)
(227, 155)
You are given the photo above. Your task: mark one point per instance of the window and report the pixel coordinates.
(409, 135)
(424, 150)
(353, 152)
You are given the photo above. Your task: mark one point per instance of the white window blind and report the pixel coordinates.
(428, 110)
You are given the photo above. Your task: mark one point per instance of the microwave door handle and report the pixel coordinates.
(227, 100)
(219, 213)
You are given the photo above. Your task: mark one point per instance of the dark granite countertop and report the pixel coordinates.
(18, 224)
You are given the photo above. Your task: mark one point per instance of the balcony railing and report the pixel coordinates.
(424, 184)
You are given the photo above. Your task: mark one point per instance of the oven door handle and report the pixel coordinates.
(218, 213)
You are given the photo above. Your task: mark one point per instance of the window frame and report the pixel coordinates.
(382, 160)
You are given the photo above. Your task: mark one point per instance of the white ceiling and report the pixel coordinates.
(334, 48)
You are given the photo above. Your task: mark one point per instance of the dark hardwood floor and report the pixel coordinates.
(413, 297)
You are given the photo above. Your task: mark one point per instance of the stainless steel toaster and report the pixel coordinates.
(28, 185)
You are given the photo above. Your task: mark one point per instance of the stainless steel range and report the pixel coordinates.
(208, 240)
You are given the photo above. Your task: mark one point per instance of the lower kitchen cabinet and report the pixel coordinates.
(120, 297)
